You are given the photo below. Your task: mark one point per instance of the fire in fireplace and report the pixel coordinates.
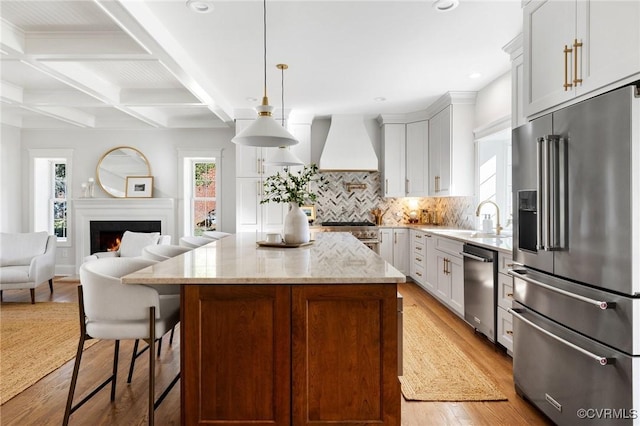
(106, 235)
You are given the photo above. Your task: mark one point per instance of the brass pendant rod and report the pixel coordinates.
(264, 38)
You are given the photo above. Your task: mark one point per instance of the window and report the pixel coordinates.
(493, 182)
(51, 192)
(200, 172)
(59, 200)
(203, 213)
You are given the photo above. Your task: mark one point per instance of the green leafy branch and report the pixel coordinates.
(294, 187)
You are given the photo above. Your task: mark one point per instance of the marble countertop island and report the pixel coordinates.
(273, 335)
(336, 258)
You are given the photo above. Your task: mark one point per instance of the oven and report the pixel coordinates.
(364, 231)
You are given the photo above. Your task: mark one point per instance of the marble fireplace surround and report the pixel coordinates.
(86, 210)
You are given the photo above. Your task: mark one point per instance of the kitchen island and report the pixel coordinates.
(285, 336)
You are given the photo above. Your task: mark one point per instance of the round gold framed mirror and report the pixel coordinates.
(118, 163)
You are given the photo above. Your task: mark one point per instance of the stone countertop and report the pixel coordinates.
(501, 243)
(333, 258)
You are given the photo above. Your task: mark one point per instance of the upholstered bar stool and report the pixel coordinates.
(110, 310)
(194, 242)
(163, 252)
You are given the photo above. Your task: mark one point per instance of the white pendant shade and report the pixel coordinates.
(265, 132)
(284, 157)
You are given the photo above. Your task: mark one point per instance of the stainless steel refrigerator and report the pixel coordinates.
(576, 310)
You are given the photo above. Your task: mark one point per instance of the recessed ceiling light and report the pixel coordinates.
(380, 99)
(475, 75)
(200, 6)
(445, 5)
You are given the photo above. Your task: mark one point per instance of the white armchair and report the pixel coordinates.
(132, 244)
(26, 261)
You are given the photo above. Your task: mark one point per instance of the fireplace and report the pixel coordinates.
(113, 210)
(105, 235)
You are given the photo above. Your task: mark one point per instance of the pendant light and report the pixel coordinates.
(265, 131)
(283, 156)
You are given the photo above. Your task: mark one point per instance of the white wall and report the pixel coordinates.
(493, 103)
(10, 172)
(158, 145)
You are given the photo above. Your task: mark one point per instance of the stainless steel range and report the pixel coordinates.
(365, 231)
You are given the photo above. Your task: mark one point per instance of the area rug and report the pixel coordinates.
(34, 341)
(435, 369)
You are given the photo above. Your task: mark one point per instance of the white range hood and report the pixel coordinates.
(348, 146)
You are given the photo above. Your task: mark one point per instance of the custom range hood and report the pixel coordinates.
(348, 146)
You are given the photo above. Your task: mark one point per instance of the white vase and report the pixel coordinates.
(296, 226)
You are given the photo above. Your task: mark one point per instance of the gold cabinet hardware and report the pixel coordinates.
(418, 260)
(509, 332)
(418, 274)
(437, 183)
(576, 80)
(510, 295)
(262, 168)
(406, 186)
(510, 265)
(567, 84)
(258, 168)
(386, 186)
(395, 238)
(419, 248)
(418, 236)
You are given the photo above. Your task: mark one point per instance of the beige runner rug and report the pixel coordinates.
(435, 369)
(34, 341)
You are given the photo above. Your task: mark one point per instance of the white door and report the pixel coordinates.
(456, 269)
(417, 159)
(548, 26)
(401, 250)
(386, 244)
(393, 160)
(610, 36)
(248, 210)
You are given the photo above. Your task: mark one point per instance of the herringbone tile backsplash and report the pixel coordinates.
(338, 203)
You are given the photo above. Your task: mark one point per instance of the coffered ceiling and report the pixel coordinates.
(157, 64)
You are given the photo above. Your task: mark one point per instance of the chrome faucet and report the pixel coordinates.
(498, 227)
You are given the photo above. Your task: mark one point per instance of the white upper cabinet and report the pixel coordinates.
(575, 47)
(393, 160)
(451, 151)
(417, 151)
(404, 159)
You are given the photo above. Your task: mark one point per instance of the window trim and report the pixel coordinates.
(51, 154)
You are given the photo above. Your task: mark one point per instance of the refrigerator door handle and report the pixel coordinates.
(601, 304)
(540, 196)
(544, 194)
(599, 359)
(555, 182)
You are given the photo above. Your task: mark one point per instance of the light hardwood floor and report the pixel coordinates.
(44, 402)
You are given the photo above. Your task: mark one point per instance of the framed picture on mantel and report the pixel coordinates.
(139, 187)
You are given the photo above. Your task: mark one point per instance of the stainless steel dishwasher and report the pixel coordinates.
(480, 276)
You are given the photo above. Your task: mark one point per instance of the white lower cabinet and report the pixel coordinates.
(505, 301)
(394, 247)
(450, 274)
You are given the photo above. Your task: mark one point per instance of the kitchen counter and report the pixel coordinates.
(277, 335)
(334, 258)
(501, 243)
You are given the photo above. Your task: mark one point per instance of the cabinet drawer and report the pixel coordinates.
(505, 262)
(418, 274)
(452, 247)
(505, 290)
(418, 259)
(505, 329)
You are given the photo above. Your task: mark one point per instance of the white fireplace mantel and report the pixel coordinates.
(86, 210)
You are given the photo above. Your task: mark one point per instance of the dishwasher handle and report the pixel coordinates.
(474, 257)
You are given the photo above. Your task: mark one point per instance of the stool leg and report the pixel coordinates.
(116, 351)
(152, 364)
